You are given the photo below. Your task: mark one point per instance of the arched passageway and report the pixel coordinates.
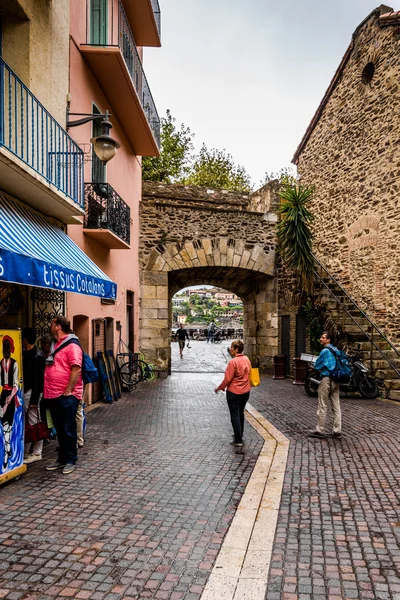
(254, 282)
(193, 236)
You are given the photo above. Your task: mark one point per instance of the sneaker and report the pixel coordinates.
(55, 466)
(337, 435)
(32, 458)
(236, 444)
(68, 469)
(316, 434)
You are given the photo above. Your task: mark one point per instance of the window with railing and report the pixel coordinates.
(32, 134)
(108, 25)
(105, 209)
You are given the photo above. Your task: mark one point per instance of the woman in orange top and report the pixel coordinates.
(237, 385)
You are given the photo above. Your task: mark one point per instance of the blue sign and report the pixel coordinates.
(26, 270)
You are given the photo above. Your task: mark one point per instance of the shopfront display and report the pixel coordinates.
(11, 405)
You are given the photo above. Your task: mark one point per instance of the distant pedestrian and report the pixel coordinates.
(182, 335)
(237, 384)
(211, 332)
(45, 344)
(328, 390)
(63, 389)
(33, 369)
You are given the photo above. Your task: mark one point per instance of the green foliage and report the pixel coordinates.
(216, 168)
(294, 233)
(314, 314)
(173, 164)
(285, 176)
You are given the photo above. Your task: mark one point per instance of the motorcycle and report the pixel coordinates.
(360, 380)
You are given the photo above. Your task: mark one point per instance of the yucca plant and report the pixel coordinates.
(294, 233)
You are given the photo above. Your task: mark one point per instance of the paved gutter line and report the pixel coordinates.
(241, 569)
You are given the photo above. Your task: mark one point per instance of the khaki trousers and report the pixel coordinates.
(79, 423)
(328, 390)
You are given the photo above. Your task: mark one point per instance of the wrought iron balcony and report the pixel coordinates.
(107, 216)
(144, 17)
(112, 54)
(32, 135)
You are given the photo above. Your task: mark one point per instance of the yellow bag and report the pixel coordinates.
(254, 377)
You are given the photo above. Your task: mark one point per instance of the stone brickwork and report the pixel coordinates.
(351, 153)
(192, 236)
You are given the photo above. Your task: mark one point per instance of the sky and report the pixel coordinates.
(248, 75)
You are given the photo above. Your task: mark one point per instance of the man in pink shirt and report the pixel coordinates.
(237, 385)
(63, 389)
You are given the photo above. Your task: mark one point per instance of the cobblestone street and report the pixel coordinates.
(157, 485)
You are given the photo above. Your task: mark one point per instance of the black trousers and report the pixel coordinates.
(237, 403)
(63, 412)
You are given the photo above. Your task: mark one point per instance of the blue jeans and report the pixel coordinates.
(63, 412)
(236, 403)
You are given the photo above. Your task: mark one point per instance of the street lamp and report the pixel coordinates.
(104, 145)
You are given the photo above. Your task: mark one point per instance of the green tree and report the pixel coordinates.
(216, 168)
(285, 176)
(176, 147)
(294, 233)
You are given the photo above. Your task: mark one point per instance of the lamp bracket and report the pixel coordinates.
(86, 118)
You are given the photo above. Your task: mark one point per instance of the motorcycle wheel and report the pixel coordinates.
(368, 388)
(311, 388)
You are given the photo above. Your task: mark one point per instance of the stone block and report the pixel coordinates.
(153, 303)
(152, 259)
(223, 260)
(196, 262)
(229, 257)
(160, 264)
(179, 261)
(149, 313)
(223, 245)
(245, 259)
(172, 250)
(154, 324)
(207, 245)
(236, 260)
(162, 291)
(239, 246)
(156, 278)
(162, 313)
(186, 258)
(202, 257)
(190, 249)
(217, 257)
(149, 291)
(210, 260)
(257, 250)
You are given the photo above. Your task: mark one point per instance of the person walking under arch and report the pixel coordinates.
(182, 335)
(237, 384)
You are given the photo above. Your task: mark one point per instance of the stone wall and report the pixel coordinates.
(191, 235)
(350, 153)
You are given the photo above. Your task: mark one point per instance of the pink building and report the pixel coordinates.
(106, 74)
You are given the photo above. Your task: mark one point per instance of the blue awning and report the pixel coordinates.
(34, 251)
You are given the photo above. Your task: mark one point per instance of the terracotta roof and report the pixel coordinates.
(385, 19)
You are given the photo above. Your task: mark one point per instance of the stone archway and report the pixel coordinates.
(221, 262)
(191, 235)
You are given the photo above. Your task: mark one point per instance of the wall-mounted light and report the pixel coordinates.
(104, 145)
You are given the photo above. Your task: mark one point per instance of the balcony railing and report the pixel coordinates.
(105, 209)
(157, 15)
(110, 27)
(30, 132)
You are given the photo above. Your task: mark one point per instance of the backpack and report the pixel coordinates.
(343, 370)
(90, 373)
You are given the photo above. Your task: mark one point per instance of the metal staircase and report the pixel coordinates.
(354, 325)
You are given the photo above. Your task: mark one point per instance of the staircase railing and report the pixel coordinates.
(374, 327)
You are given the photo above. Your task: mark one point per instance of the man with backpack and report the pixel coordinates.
(328, 389)
(63, 390)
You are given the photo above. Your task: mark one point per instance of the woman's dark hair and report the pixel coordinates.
(238, 345)
(28, 334)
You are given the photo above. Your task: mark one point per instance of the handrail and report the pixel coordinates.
(360, 310)
(31, 133)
